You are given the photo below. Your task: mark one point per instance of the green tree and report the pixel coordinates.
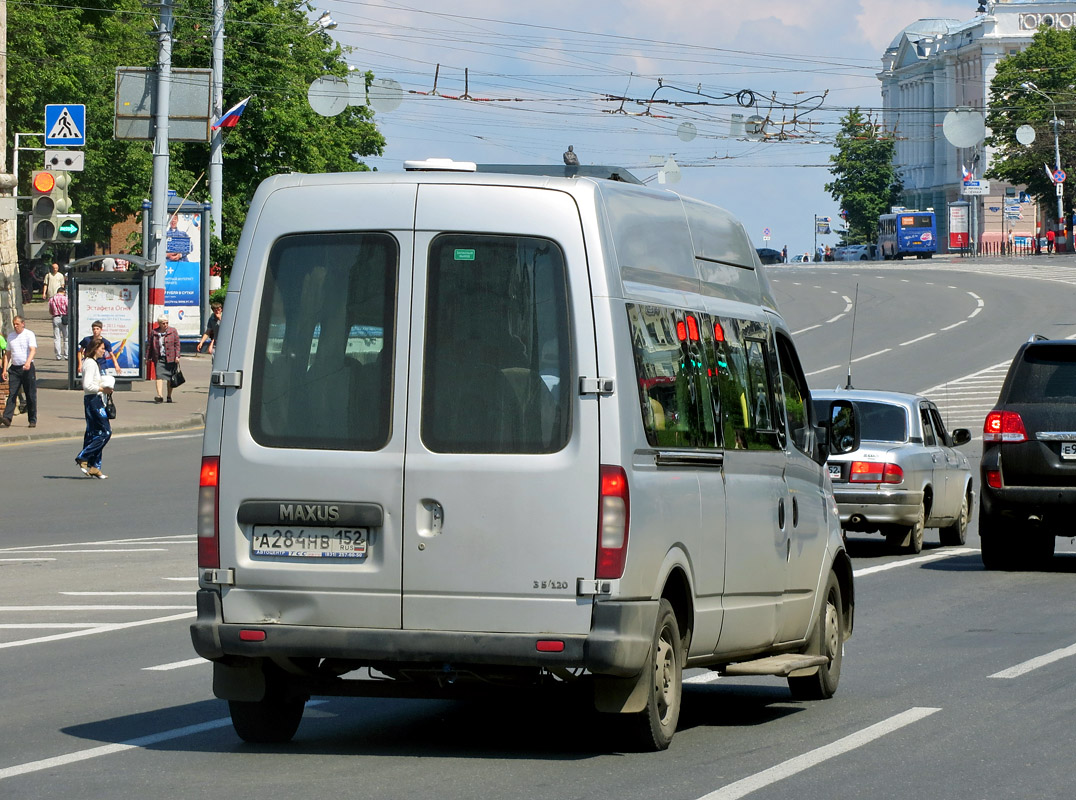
(68, 54)
(1049, 63)
(865, 181)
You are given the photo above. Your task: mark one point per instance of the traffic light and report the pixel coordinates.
(48, 201)
(69, 228)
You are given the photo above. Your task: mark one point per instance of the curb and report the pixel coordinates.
(193, 421)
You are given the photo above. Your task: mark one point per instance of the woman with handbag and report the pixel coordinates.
(163, 351)
(95, 387)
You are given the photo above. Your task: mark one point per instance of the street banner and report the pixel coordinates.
(958, 227)
(116, 305)
(182, 273)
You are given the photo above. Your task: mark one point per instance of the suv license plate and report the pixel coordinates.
(273, 540)
(1068, 449)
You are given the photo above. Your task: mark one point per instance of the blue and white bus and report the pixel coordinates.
(906, 234)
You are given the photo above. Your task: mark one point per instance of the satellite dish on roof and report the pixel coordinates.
(1025, 134)
(385, 95)
(329, 96)
(687, 131)
(964, 127)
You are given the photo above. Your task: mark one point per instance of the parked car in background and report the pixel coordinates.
(800, 258)
(907, 474)
(767, 255)
(1028, 469)
(857, 252)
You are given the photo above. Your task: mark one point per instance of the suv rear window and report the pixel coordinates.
(1046, 374)
(322, 374)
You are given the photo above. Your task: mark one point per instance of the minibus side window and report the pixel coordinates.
(794, 392)
(669, 366)
(741, 380)
(321, 374)
(496, 369)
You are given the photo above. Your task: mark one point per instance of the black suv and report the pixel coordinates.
(1028, 471)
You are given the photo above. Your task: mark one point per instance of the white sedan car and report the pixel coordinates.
(907, 474)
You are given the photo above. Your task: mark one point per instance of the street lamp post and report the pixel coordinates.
(1030, 87)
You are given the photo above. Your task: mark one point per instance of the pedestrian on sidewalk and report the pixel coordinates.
(95, 387)
(105, 355)
(1050, 239)
(53, 281)
(21, 372)
(163, 352)
(58, 310)
(211, 329)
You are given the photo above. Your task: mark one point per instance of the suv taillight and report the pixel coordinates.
(208, 533)
(875, 472)
(613, 516)
(1004, 426)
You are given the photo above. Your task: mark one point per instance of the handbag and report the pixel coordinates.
(177, 378)
(110, 408)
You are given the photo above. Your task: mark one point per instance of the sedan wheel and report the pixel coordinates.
(957, 533)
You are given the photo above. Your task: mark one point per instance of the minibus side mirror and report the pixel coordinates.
(843, 427)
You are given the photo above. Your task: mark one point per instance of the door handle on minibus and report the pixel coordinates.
(431, 518)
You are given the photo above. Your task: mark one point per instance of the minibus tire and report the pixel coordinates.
(272, 720)
(826, 639)
(655, 725)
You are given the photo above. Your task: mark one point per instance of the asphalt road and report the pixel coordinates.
(957, 683)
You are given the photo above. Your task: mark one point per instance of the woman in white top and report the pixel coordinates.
(98, 430)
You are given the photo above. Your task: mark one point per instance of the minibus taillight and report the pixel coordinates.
(208, 533)
(613, 508)
(1004, 426)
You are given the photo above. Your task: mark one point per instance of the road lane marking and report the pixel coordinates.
(804, 330)
(192, 578)
(114, 626)
(907, 562)
(827, 369)
(36, 626)
(954, 325)
(190, 662)
(177, 436)
(870, 355)
(706, 677)
(794, 766)
(125, 594)
(1035, 663)
(139, 540)
(921, 338)
(119, 747)
(112, 550)
(96, 608)
(27, 559)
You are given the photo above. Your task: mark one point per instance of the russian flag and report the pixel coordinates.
(232, 115)
(964, 171)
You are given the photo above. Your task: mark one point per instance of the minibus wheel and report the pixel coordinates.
(656, 724)
(827, 639)
(272, 720)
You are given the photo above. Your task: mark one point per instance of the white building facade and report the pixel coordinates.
(934, 66)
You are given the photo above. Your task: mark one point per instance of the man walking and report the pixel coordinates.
(22, 347)
(58, 310)
(53, 281)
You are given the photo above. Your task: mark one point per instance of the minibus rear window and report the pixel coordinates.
(322, 367)
(496, 367)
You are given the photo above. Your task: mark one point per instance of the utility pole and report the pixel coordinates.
(10, 281)
(155, 247)
(216, 147)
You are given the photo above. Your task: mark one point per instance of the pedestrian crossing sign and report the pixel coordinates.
(65, 125)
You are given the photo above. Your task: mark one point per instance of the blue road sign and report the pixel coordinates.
(65, 125)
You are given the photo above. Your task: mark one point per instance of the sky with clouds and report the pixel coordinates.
(518, 83)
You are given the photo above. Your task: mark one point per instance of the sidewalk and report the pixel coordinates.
(60, 411)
